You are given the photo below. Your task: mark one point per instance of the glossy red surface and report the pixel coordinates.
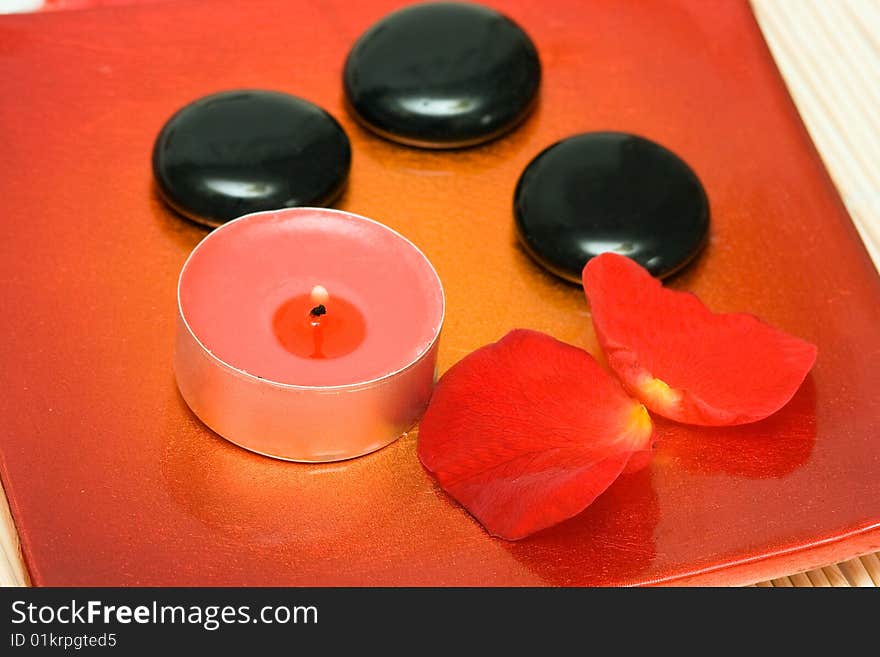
(58, 5)
(112, 480)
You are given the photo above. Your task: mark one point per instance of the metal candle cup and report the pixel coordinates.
(239, 360)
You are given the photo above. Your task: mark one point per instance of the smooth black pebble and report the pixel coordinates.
(236, 152)
(442, 75)
(610, 191)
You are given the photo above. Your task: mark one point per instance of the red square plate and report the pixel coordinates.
(111, 480)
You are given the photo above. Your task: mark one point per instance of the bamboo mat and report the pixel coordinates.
(829, 54)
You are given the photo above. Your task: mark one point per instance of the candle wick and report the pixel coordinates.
(319, 297)
(318, 330)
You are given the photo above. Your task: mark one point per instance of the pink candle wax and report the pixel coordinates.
(307, 334)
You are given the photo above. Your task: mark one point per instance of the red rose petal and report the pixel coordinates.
(683, 361)
(528, 431)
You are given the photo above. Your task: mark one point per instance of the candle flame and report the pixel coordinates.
(319, 295)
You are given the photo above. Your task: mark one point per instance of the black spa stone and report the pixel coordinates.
(610, 191)
(236, 152)
(442, 75)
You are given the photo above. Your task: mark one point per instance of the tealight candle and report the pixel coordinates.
(307, 334)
